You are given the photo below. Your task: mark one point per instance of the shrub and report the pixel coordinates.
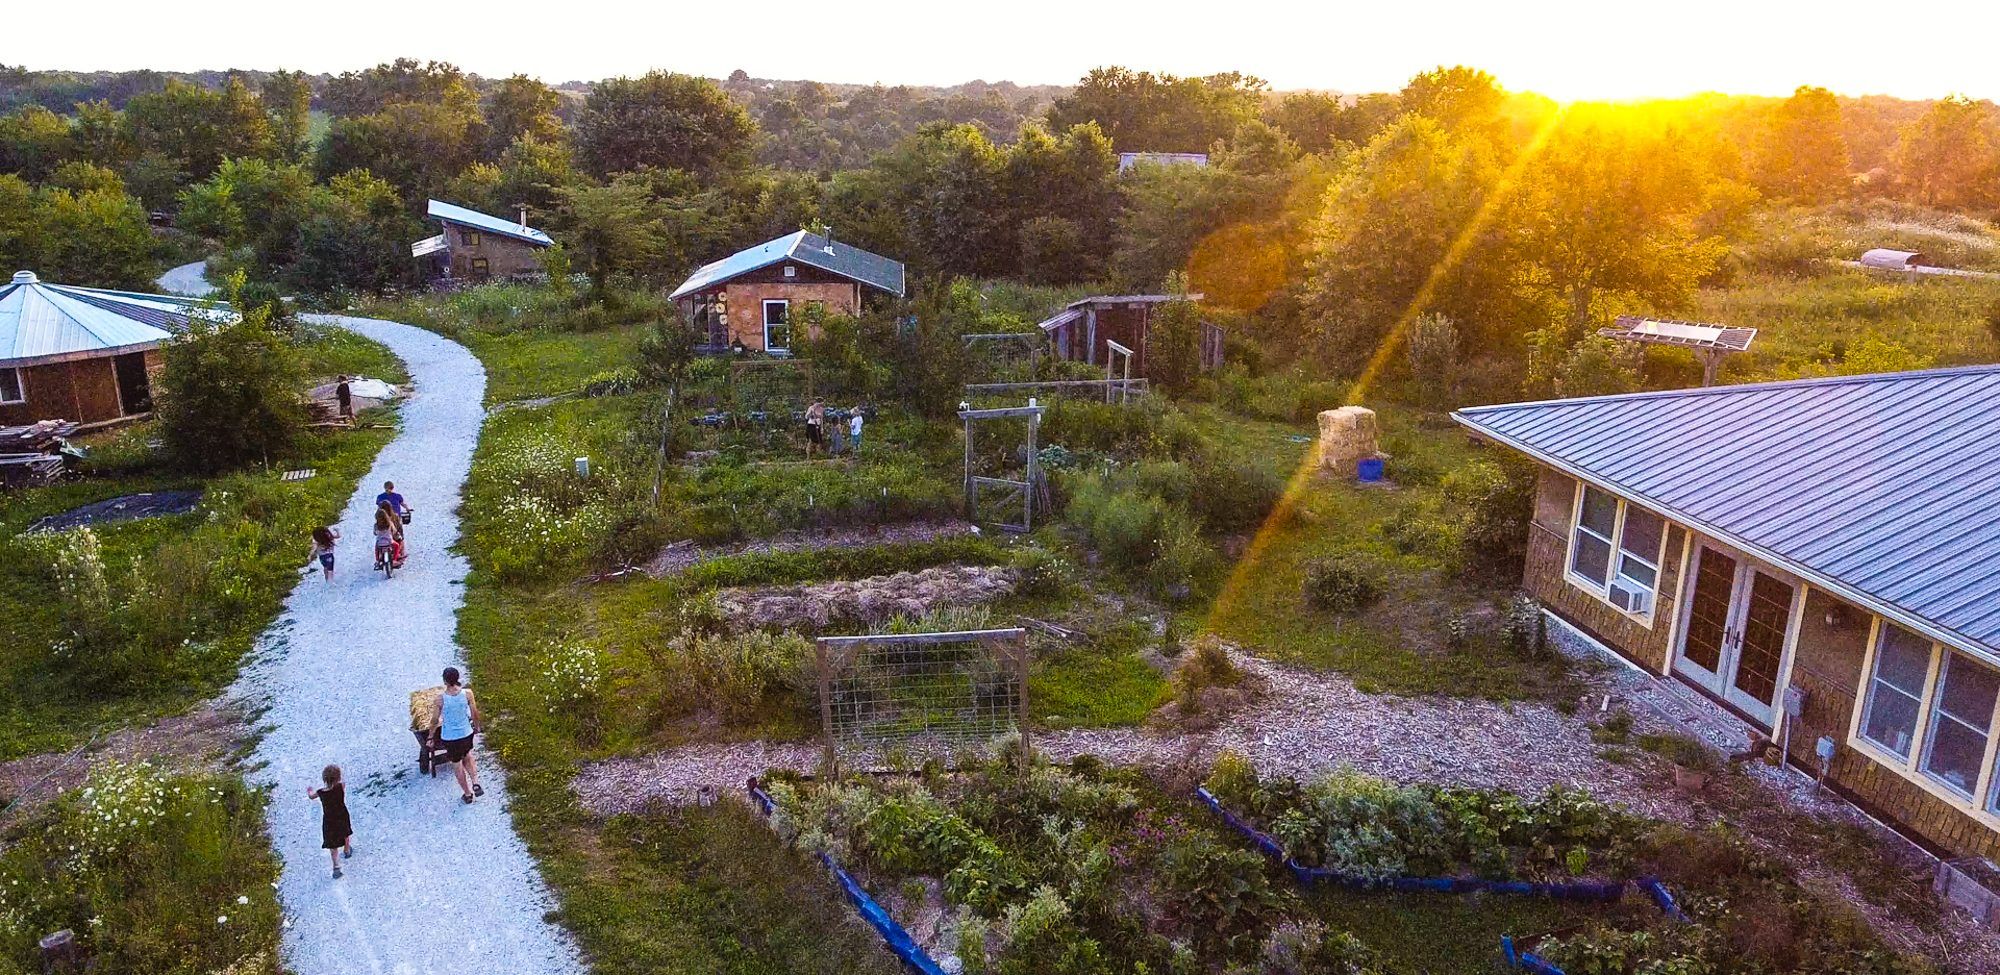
(1184, 564)
(1344, 583)
(1208, 666)
(1310, 948)
(1434, 359)
(612, 382)
(1232, 497)
(735, 676)
(1216, 891)
(229, 395)
(1042, 573)
(155, 873)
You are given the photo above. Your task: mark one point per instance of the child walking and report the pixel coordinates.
(323, 540)
(336, 830)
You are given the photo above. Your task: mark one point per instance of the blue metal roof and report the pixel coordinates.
(846, 260)
(41, 322)
(1883, 489)
(487, 222)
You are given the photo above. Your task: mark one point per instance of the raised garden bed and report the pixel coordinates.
(1084, 869)
(1730, 909)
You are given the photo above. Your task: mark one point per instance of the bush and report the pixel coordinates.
(1343, 583)
(1042, 572)
(229, 395)
(735, 676)
(612, 382)
(155, 873)
(1208, 666)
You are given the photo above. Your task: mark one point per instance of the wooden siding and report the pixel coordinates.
(83, 390)
(1545, 579)
(746, 306)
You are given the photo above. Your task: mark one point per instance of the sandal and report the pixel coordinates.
(466, 799)
(478, 790)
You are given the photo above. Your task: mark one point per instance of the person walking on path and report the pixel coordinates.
(815, 426)
(324, 538)
(344, 395)
(854, 422)
(335, 828)
(456, 721)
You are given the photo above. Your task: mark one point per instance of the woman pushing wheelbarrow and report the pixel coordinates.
(444, 720)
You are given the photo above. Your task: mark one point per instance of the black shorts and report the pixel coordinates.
(815, 432)
(457, 748)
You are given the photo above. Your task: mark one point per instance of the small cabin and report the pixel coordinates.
(1084, 330)
(474, 246)
(82, 354)
(753, 298)
(1814, 557)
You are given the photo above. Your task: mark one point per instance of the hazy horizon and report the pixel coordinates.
(1565, 49)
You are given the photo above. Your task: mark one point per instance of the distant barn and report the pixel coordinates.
(1084, 328)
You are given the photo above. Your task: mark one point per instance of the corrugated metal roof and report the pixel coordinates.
(810, 249)
(428, 245)
(441, 210)
(1883, 489)
(42, 322)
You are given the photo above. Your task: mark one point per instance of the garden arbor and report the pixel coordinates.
(1002, 493)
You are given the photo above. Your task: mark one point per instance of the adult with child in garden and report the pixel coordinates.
(815, 426)
(454, 723)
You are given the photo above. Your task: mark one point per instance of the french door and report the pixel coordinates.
(1737, 627)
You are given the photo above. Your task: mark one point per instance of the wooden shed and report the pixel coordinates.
(82, 354)
(1084, 330)
(479, 246)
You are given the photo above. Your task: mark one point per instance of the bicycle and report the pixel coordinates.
(385, 559)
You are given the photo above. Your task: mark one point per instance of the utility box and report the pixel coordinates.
(1971, 884)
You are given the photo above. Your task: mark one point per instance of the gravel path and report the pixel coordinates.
(187, 280)
(435, 885)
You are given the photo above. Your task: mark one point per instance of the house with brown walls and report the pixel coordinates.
(1819, 557)
(82, 354)
(1099, 329)
(754, 298)
(474, 246)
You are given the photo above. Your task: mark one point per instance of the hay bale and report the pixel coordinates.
(1346, 436)
(423, 707)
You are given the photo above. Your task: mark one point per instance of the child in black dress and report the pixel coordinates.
(336, 830)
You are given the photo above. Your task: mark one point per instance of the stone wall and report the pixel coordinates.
(505, 256)
(746, 306)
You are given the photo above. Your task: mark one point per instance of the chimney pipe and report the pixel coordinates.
(523, 207)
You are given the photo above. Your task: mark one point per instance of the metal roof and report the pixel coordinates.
(42, 323)
(811, 249)
(428, 245)
(488, 222)
(1891, 260)
(1883, 489)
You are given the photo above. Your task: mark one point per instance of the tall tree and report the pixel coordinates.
(287, 97)
(520, 107)
(33, 142)
(199, 128)
(99, 238)
(617, 228)
(1144, 112)
(1801, 154)
(664, 121)
(1947, 157)
(417, 146)
(1312, 119)
(402, 81)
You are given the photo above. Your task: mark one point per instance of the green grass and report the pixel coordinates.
(528, 365)
(533, 343)
(1094, 689)
(248, 540)
(1397, 645)
(1442, 934)
(331, 352)
(1804, 322)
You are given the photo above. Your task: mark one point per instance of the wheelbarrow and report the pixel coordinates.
(431, 755)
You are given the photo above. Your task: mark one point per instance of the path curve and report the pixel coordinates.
(435, 886)
(187, 280)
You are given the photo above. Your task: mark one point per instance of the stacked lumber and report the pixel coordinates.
(33, 453)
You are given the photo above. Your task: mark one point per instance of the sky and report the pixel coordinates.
(1608, 49)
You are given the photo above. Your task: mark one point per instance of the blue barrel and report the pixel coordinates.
(1370, 469)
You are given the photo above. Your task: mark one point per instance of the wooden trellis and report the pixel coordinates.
(1002, 492)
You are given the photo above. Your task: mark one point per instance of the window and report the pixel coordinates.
(1615, 550)
(1896, 691)
(469, 238)
(1961, 720)
(480, 266)
(777, 325)
(11, 390)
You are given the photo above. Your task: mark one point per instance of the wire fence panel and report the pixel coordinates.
(923, 694)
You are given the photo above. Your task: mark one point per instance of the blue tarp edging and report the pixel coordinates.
(1600, 891)
(894, 936)
(1526, 960)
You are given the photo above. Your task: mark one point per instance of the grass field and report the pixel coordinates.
(1809, 325)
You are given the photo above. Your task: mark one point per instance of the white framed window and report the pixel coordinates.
(1615, 550)
(777, 325)
(1961, 723)
(12, 389)
(1929, 714)
(1896, 689)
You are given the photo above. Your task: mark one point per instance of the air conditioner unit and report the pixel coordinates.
(1631, 599)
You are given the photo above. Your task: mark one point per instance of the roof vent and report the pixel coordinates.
(25, 277)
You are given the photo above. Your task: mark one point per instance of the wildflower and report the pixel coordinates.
(243, 898)
(222, 919)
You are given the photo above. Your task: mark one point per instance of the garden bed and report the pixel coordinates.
(1086, 869)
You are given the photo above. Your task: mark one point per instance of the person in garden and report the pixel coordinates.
(324, 538)
(344, 394)
(854, 422)
(335, 828)
(815, 426)
(456, 721)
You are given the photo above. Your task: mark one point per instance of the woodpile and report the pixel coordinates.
(34, 453)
